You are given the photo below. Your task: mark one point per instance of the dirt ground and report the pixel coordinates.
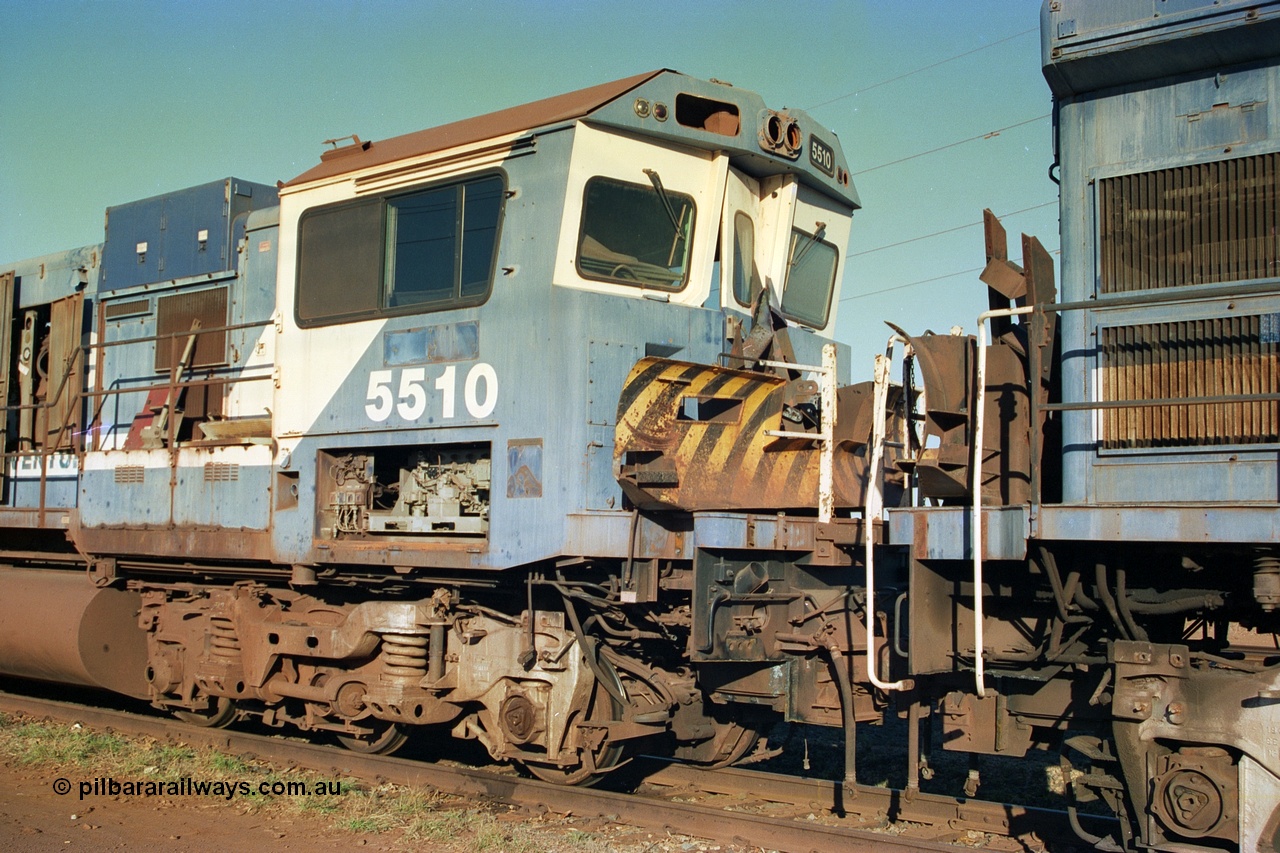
(33, 817)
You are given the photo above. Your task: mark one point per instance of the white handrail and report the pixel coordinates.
(827, 459)
(976, 486)
(826, 427)
(875, 504)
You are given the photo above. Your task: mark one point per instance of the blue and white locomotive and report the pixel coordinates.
(1098, 564)
(341, 453)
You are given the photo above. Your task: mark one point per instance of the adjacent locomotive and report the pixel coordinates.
(529, 428)
(1098, 566)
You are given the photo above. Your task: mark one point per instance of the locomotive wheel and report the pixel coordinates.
(219, 715)
(601, 707)
(384, 740)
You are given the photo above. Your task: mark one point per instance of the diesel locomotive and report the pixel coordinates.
(343, 453)
(530, 430)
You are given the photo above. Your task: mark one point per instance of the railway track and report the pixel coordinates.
(728, 806)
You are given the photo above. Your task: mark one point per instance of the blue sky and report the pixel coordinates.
(106, 102)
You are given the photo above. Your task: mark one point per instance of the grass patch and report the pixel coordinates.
(40, 744)
(412, 818)
(367, 823)
(228, 763)
(438, 826)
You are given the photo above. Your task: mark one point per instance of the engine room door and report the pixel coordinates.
(61, 430)
(6, 347)
(740, 242)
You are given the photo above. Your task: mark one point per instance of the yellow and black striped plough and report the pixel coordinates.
(695, 437)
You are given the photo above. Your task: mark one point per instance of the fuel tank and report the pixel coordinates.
(55, 625)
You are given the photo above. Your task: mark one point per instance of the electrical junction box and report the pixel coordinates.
(178, 235)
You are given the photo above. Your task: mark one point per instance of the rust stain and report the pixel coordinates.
(694, 437)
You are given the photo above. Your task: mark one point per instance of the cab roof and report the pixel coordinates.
(560, 108)
(666, 105)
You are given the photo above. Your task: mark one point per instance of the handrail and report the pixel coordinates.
(106, 392)
(874, 502)
(1145, 299)
(1104, 304)
(222, 375)
(218, 379)
(1109, 303)
(976, 483)
(1163, 297)
(1090, 405)
(826, 427)
(219, 374)
(238, 327)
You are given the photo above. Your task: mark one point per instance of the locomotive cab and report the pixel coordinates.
(434, 288)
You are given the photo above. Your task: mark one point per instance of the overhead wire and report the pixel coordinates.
(950, 230)
(910, 284)
(921, 281)
(923, 68)
(988, 135)
(946, 230)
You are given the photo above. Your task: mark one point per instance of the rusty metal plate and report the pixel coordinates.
(693, 436)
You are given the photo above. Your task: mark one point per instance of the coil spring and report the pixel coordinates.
(1266, 581)
(223, 641)
(404, 656)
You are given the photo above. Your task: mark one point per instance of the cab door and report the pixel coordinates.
(742, 261)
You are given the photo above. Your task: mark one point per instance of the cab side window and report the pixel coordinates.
(746, 278)
(428, 250)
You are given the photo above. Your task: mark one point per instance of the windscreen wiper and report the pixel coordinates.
(810, 241)
(666, 200)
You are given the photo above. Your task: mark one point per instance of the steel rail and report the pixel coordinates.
(684, 818)
(871, 802)
(946, 815)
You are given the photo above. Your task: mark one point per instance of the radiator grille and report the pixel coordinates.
(116, 310)
(1199, 224)
(1213, 357)
(175, 313)
(221, 472)
(130, 474)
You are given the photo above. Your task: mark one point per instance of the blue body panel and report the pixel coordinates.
(49, 278)
(229, 487)
(559, 380)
